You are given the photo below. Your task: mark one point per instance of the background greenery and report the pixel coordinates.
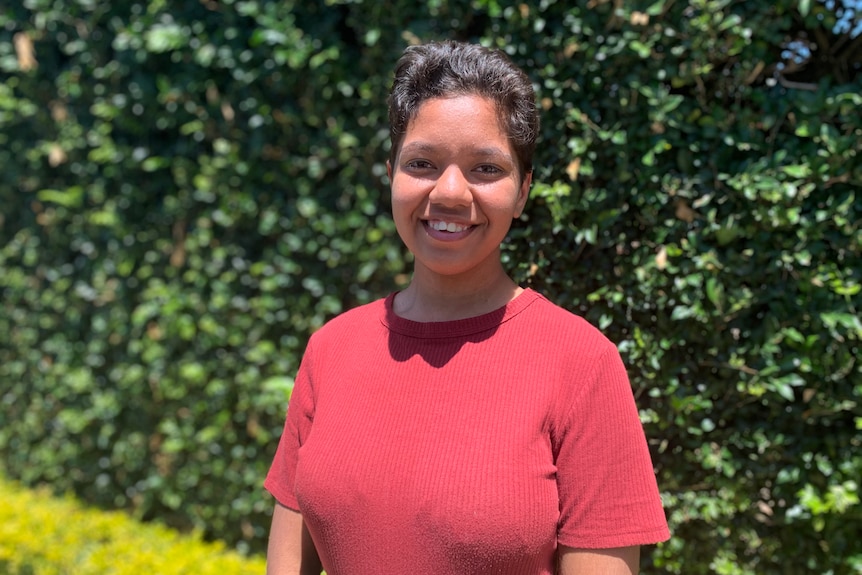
(45, 535)
(190, 188)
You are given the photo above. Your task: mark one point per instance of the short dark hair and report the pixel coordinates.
(446, 69)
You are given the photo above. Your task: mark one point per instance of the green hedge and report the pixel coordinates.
(191, 188)
(45, 535)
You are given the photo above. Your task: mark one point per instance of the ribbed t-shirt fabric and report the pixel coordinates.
(464, 447)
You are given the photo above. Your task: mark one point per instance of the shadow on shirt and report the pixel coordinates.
(437, 343)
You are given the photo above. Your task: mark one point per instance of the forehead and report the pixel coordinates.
(468, 101)
(462, 118)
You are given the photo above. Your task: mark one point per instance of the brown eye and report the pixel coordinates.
(418, 165)
(489, 170)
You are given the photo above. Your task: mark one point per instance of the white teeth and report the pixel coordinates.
(447, 227)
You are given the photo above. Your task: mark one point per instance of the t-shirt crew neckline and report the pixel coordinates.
(458, 327)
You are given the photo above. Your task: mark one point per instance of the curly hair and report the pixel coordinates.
(448, 69)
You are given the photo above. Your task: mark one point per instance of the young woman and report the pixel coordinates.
(464, 425)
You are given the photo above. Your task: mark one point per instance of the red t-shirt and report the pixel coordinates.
(470, 446)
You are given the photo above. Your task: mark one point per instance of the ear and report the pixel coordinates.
(523, 194)
(389, 170)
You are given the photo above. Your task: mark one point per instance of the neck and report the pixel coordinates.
(432, 297)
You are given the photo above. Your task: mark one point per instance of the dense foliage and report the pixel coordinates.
(190, 188)
(41, 534)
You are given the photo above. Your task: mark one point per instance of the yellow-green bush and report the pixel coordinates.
(45, 535)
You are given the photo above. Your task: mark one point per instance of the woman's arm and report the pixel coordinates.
(291, 550)
(618, 561)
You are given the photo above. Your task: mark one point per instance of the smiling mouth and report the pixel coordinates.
(450, 227)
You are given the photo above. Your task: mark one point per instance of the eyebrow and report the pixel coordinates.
(488, 152)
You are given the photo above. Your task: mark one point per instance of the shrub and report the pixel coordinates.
(42, 535)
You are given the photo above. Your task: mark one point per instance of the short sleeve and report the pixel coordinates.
(607, 486)
(281, 479)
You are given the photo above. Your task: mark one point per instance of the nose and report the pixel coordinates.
(451, 188)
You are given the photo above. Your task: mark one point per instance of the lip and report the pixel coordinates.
(447, 236)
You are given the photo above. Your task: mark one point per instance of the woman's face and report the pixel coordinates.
(456, 186)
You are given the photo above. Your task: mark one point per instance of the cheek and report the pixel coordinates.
(403, 194)
(402, 209)
(402, 217)
(501, 202)
(397, 197)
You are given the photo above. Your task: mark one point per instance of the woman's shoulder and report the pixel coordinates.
(547, 315)
(558, 334)
(356, 321)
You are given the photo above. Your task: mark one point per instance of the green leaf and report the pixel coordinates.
(715, 292)
(279, 385)
(849, 321)
(797, 171)
(72, 197)
(166, 37)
